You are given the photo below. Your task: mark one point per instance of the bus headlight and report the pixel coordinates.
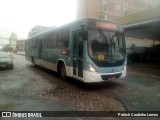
(91, 68)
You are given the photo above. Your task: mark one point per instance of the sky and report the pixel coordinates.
(20, 16)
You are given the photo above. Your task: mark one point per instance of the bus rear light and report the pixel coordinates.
(65, 52)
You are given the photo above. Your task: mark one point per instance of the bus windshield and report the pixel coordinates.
(106, 45)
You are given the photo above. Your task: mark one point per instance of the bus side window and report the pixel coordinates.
(31, 43)
(63, 38)
(52, 40)
(55, 39)
(49, 42)
(26, 45)
(45, 42)
(35, 43)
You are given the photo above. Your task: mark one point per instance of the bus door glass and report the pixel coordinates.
(78, 54)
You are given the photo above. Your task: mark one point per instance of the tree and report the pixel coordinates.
(6, 48)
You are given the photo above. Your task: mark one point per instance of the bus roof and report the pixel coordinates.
(75, 22)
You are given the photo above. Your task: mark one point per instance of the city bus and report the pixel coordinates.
(87, 49)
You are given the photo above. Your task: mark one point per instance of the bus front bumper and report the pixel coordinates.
(90, 77)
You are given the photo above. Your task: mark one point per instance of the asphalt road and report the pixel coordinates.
(25, 88)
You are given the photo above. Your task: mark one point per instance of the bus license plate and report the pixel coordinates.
(111, 78)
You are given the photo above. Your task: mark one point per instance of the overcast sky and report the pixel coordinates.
(20, 16)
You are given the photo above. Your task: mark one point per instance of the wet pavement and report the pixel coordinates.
(26, 88)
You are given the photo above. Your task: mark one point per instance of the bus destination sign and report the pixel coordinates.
(106, 25)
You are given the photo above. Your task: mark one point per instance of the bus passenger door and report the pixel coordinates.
(77, 54)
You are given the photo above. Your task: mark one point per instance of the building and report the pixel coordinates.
(111, 9)
(20, 45)
(13, 42)
(4, 37)
(1, 47)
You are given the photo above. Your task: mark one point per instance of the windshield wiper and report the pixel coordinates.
(101, 32)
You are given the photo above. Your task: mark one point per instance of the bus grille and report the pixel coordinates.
(106, 77)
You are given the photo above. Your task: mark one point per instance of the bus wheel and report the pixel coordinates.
(33, 62)
(62, 72)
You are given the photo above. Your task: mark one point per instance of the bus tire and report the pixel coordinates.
(62, 72)
(33, 62)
